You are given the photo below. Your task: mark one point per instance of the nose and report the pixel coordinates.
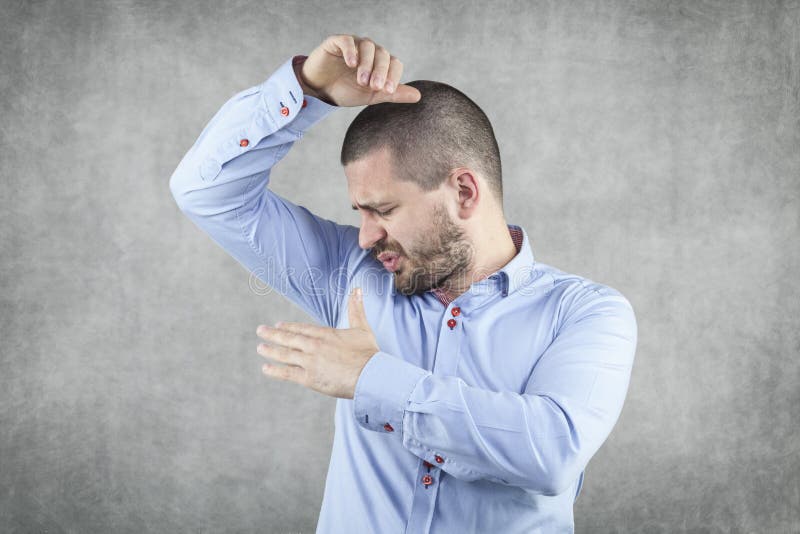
(370, 233)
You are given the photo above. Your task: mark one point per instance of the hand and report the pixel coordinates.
(328, 360)
(335, 68)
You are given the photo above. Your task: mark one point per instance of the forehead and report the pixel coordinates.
(371, 180)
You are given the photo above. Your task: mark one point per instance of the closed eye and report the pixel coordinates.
(385, 213)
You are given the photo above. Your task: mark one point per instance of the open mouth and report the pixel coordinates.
(390, 260)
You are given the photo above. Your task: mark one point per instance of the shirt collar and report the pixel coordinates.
(513, 274)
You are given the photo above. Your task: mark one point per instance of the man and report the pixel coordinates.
(473, 383)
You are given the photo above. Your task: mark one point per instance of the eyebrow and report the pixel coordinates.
(373, 207)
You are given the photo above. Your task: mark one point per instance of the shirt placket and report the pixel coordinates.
(429, 473)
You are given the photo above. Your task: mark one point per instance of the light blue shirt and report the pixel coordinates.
(477, 415)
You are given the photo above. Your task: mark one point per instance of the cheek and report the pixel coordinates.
(399, 243)
(406, 232)
(396, 236)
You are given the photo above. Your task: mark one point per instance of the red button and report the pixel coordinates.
(284, 111)
(427, 480)
(451, 323)
(305, 103)
(456, 311)
(438, 459)
(427, 464)
(387, 427)
(244, 142)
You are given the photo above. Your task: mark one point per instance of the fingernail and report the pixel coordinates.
(379, 82)
(364, 77)
(351, 60)
(390, 87)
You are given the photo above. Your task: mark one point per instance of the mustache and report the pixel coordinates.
(377, 250)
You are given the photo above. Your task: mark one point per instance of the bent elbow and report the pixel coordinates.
(557, 472)
(179, 191)
(560, 482)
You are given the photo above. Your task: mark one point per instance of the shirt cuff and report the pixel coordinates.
(285, 102)
(382, 392)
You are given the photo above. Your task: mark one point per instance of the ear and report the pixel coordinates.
(468, 187)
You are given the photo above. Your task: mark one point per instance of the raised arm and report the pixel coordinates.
(221, 182)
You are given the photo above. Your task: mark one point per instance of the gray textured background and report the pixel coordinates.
(652, 146)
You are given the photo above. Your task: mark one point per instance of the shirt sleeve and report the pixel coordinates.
(221, 185)
(541, 439)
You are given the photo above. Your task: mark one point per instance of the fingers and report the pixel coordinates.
(344, 46)
(286, 352)
(310, 330)
(287, 338)
(382, 71)
(366, 55)
(376, 69)
(380, 68)
(289, 373)
(373, 67)
(281, 354)
(394, 74)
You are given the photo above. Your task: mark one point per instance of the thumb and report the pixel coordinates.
(404, 94)
(358, 317)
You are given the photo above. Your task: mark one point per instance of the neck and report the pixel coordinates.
(493, 248)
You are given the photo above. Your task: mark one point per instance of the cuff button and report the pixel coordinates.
(244, 142)
(285, 111)
(387, 427)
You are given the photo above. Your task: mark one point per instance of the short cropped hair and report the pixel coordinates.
(444, 130)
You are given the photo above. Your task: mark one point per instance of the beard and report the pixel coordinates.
(439, 257)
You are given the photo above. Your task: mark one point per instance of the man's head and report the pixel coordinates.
(425, 177)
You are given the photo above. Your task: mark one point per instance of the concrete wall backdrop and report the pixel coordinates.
(650, 145)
